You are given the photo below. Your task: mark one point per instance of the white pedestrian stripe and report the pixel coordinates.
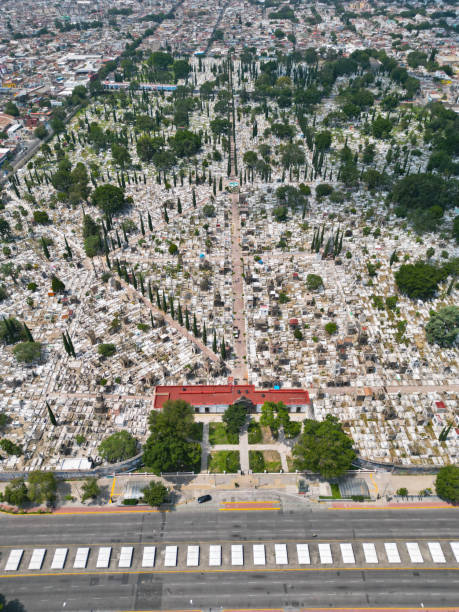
(126, 556)
(259, 557)
(280, 551)
(392, 552)
(347, 553)
(149, 553)
(369, 551)
(81, 558)
(414, 552)
(170, 556)
(237, 554)
(192, 556)
(36, 561)
(302, 550)
(60, 556)
(14, 559)
(215, 554)
(262, 556)
(103, 558)
(325, 553)
(436, 552)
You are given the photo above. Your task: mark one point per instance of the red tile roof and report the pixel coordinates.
(212, 395)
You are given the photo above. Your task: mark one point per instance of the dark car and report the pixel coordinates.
(204, 498)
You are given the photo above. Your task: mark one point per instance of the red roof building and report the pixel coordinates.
(216, 398)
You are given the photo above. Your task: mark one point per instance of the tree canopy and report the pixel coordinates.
(168, 448)
(155, 493)
(109, 198)
(419, 281)
(447, 483)
(443, 326)
(324, 447)
(42, 487)
(118, 447)
(234, 417)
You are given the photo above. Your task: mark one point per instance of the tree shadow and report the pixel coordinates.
(14, 605)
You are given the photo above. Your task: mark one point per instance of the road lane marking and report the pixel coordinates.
(232, 571)
(112, 490)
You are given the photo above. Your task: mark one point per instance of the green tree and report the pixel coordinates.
(323, 447)
(57, 285)
(331, 328)
(118, 447)
(40, 132)
(27, 352)
(106, 350)
(90, 489)
(234, 417)
(10, 108)
(155, 493)
(419, 281)
(447, 483)
(11, 331)
(41, 217)
(10, 447)
(402, 492)
(16, 492)
(314, 282)
(443, 326)
(109, 198)
(93, 245)
(168, 448)
(42, 487)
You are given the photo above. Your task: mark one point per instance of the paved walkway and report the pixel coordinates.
(244, 448)
(205, 446)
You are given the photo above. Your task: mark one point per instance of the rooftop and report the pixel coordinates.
(212, 395)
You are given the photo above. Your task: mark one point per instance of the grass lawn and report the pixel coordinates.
(272, 461)
(219, 435)
(197, 432)
(223, 461)
(255, 435)
(259, 461)
(335, 493)
(291, 467)
(267, 435)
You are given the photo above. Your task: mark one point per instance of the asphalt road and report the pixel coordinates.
(205, 591)
(293, 589)
(204, 525)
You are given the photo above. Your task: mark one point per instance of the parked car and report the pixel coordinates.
(204, 498)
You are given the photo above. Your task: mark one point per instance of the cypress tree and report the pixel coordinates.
(214, 342)
(166, 216)
(194, 198)
(179, 314)
(158, 301)
(164, 303)
(107, 259)
(134, 279)
(45, 248)
(187, 320)
(150, 294)
(195, 326)
(204, 334)
(118, 239)
(150, 223)
(179, 206)
(151, 320)
(223, 349)
(142, 287)
(171, 306)
(28, 334)
(52, 418)
(66, 345)
(68, 249)
(70, 345)
(142, 227)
